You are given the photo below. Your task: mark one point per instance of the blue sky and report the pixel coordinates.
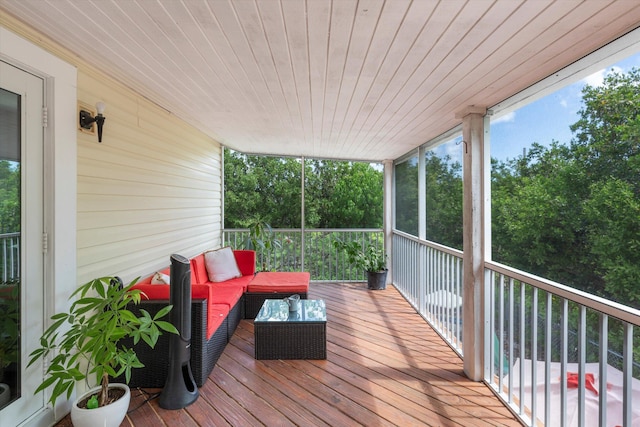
(548, 118)
(543, 121)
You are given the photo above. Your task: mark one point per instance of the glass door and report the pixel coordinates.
(21, 247)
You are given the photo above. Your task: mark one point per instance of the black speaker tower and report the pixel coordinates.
(180, 389)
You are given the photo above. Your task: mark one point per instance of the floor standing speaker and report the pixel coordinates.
(180, 389)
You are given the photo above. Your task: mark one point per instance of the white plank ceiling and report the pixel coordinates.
(346, 79)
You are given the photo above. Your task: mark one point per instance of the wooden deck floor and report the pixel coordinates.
(385, 366)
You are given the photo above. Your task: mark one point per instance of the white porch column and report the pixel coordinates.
(473, 241)
(388, 213)
(422, 194)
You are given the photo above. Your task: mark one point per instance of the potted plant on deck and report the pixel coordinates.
(9, 348)
(85, 341)
(262, 239)
(369, 258)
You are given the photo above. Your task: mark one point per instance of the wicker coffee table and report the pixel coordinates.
(281, 334)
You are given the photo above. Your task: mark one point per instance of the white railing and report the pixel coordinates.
(429, 276)
(310, 250)
(578, 347)
(10, 252)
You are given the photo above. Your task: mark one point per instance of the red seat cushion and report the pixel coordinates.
(280, 282)
(215, 308)
(216, 313)
(226, 294)
(238, 282)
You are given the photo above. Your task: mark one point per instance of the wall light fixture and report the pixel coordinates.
(86, 119)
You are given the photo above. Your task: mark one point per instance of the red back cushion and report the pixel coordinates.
(246, 261)
(199, 269)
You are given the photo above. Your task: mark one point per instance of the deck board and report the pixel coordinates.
(385, 367)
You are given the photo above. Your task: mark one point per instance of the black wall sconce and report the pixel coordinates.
(86, 119)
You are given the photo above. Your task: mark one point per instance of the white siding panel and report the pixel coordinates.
(152, 188)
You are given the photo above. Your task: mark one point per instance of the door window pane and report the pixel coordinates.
(443, 166)
(406, 177)
(9, 247)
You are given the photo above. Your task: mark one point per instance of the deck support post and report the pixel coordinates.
(389, 210)
(473, 152)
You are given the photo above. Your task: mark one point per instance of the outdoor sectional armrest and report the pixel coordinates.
(205, 350)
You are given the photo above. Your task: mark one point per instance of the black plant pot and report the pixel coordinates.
(377, 279)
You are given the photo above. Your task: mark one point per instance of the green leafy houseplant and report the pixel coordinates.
(86, 340)
(9, 350)
(262, 240)
(365, 257)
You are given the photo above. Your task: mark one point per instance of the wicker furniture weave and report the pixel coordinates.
(274, 285)
(236, 314)
(280, 334)
(204, 353)
(253, 301)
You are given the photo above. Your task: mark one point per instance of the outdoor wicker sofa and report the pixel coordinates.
(216, 310)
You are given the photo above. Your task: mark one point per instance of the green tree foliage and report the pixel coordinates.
(538, 225)
(613, 212)
(260, 188)
(572, 212)
(9, 197)
(342, 195)
(444, 200)
(607, 134)
(268, 189)
(607, 148)
(406, 180)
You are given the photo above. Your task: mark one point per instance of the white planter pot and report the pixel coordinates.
(5, 394)
(105, 416)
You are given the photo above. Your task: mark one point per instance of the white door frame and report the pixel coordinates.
(30, 90)
(60, 177)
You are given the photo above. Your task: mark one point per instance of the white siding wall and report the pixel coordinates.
(150, 189)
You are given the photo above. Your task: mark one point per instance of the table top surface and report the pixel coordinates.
(277, 310)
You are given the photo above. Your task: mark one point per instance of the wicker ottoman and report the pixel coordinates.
(273, 285)
(281, 334)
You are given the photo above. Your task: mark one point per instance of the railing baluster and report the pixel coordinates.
(563, 362)
(489, 350)
(501, 374)
(511, 320)
(10, 268)
(547, 360)
(449, 296)
(582, 356)
(627, 371)
(604, 351)
(534, 353)
(522, 346)
(459, 295)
